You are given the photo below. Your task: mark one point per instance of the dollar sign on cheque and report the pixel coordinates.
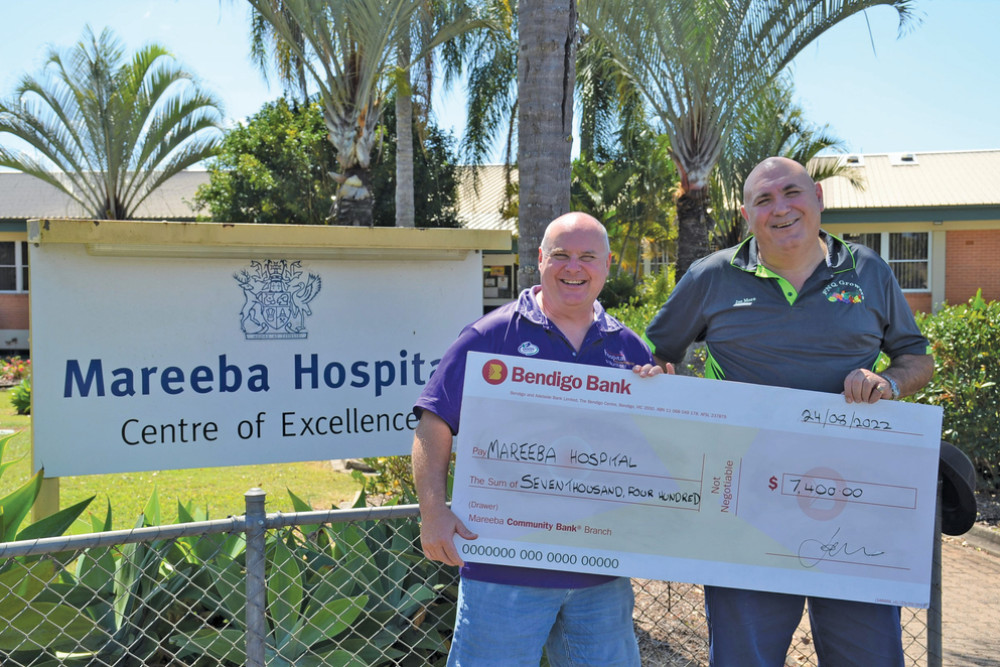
(772, 483)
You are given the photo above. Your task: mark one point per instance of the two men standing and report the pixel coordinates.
(791, 306)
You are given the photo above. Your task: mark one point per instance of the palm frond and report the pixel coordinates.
(699, 62)
(106, 130)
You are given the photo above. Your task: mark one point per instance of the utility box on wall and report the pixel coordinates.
(179, 345)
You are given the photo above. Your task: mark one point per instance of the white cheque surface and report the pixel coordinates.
(565, 466)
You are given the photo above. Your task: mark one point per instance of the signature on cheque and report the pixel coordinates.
(812, 551)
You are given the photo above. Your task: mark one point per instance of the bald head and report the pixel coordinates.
(573, 263)
(782, 206)
(773, 165)
(573, 222)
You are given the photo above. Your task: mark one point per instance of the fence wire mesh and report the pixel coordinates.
(345, 588)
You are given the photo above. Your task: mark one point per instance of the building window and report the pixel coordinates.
(13, 266)
(908, 253)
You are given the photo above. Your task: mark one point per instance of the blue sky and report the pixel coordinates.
(935, 88)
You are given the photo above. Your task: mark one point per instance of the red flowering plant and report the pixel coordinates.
(14, 369)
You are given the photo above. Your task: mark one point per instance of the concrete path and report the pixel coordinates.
(970, 592)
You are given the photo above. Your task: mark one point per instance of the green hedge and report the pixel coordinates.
(965, 340)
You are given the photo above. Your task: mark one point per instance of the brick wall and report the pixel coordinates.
(973, 261)
(920, 302)
(14, 312)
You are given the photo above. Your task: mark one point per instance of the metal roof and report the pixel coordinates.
(891, 181)
(23, 196)
(479, 203)
(918, 180)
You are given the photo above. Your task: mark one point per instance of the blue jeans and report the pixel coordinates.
(499, 625)
(754, 629)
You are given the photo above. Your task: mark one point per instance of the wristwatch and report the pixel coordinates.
(892, 385)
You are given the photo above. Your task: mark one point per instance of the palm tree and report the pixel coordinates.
(698, 63)
(267, 48)
(771, 124)
(490, 59)
(109, 132)
(630, 193)
(498, 77)
(546, 73)
(347, 48)
(414, 93)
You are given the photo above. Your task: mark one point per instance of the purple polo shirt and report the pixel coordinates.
(521, 328)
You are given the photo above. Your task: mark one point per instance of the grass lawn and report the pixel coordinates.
(217, 490)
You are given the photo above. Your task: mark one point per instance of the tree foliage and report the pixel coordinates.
(277, 169)
(107, 131)
(698, 64)
(630, 192)
(348, 50)
(771, 124)
(488, 58)
(965, 341)
(274, 169)
(435, 174)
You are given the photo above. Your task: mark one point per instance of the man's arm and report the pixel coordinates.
(438, 524)
(678, 323)
(909, 371)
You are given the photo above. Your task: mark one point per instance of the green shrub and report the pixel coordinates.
(619, 289)
(965, 341)
(340, 594)
(358, 593)
(20, 397)
(645, 300)
(392, 480)
(656, 287)
(636, 315)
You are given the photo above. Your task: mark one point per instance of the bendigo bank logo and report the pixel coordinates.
(494, 371)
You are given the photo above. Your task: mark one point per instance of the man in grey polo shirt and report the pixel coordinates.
(793, 306)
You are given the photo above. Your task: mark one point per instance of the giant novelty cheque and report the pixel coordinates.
(566, 466)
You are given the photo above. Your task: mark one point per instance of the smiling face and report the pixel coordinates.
(573, 262)
(782, 207)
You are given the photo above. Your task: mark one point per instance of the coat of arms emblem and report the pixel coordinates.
(276, 299)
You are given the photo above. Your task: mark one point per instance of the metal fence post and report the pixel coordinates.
(935, 652)
(256, 588)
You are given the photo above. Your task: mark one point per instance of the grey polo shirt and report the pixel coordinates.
(759, 329)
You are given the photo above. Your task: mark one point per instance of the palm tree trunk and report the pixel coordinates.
(354, 203)
(404, 142)
(546, 74)
(692, 228)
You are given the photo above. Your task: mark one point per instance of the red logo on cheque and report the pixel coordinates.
(494, 371)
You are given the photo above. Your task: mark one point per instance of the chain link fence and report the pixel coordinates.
(342, 587)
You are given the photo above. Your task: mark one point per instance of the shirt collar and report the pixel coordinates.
(527, 307)
(839, 257)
